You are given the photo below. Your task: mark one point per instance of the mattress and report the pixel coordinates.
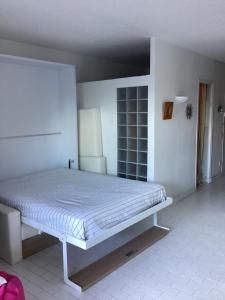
(76, 203)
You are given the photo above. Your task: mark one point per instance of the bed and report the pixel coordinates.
(81, 208)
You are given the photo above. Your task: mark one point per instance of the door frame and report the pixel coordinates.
(211, 93)
(223, 148)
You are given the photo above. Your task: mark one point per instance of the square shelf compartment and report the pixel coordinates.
(142, 105)
(132, 106)
(122, 119)
(131, 169)
(132, 156)
(142, 132)
(122, 106)
(122, 175)
(143, 119)
(122, 167)
(142, 157)
(121, 94)
(142, 171)
(122, 131)
(132, 119)
(132, 131)
(132, 177)
(142, 145)
(142, 178)
(131, 93)
(122, 155)
(132, 144)
(143, 92)
(122, 143)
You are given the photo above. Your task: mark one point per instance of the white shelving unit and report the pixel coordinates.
(132, 124)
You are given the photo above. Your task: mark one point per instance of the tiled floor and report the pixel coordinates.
(189, 263)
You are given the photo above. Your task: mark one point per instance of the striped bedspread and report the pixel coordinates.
(76, 203)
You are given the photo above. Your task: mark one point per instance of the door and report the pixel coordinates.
(201, 131)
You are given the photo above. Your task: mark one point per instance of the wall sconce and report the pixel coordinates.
(220, 109)
(181, 99)
(189, 111)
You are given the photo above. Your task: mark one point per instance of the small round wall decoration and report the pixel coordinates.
(189, 111)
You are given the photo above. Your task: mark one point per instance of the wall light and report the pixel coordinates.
(181, 99)
(220, 109)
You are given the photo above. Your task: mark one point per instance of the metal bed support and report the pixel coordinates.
(87, 244)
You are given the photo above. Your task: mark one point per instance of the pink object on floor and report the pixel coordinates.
(13, 289)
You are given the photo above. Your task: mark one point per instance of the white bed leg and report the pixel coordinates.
(65, 261)
(155, 222)
(155, 219)
(65, 268)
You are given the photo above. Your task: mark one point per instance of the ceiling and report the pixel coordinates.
(118, 30)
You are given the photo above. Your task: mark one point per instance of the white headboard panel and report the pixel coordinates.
(38, 116)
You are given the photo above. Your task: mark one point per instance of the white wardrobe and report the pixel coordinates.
(38, 116)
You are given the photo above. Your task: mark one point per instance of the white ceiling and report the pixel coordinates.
(116, 29)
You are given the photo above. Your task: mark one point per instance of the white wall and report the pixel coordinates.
(87, 68)
(103, 94)
(176, 71)
(38, 116)
(28, 96)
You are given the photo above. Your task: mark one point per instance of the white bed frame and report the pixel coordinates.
(94, 241)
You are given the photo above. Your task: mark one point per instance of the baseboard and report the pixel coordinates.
(214, 177)
(208, 180)
(192, 191)
(184, 195)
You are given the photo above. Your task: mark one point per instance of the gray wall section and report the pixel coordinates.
(87, 68)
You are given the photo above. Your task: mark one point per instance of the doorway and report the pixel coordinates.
(204, 133)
